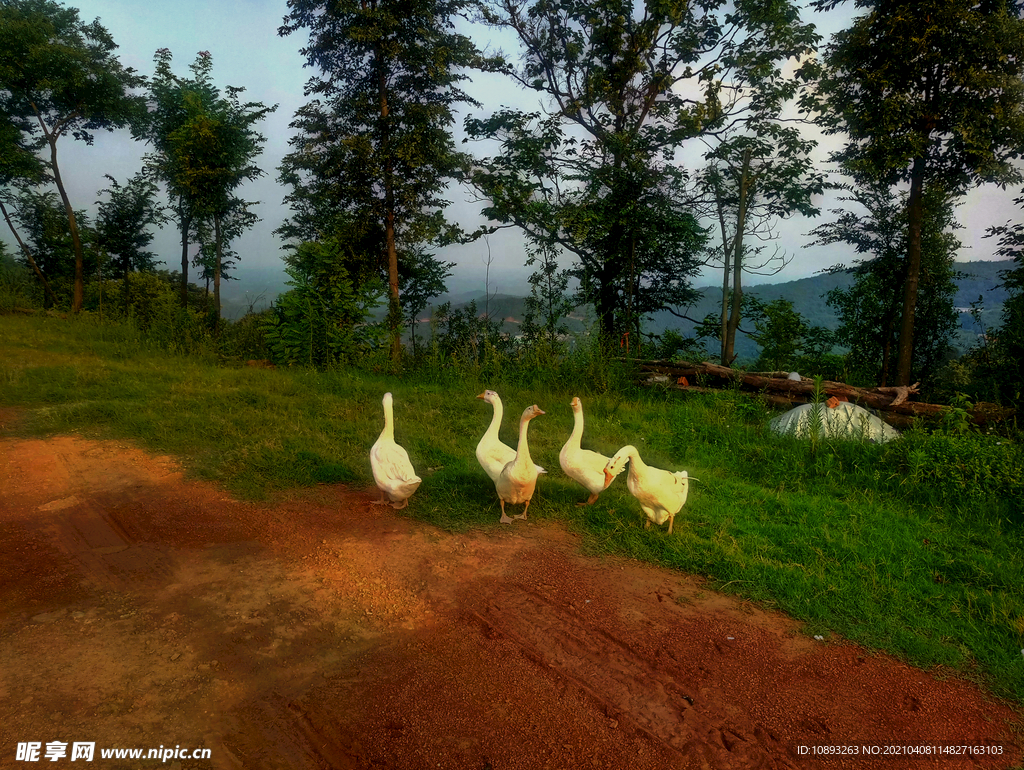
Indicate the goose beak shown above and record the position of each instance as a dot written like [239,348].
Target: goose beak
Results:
[481,395]
[539,410]
[608,478]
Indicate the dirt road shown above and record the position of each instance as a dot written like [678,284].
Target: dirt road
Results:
[142,610]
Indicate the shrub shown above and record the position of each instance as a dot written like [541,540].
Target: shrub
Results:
[956,467]
[17,286]
[321,322]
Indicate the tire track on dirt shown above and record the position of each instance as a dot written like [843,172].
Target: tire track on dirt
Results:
[626,686]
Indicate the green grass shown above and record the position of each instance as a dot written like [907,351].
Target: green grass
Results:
[916,547]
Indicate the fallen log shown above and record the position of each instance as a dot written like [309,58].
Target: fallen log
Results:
[891,402]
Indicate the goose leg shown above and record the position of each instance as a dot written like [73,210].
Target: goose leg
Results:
[401,505]
[504,517]
[523,514]
[590,500]
[383,499]
[671,520]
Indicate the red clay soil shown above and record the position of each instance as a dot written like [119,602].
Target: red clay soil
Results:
[141,610]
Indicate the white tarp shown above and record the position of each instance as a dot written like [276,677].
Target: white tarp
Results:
[846,420]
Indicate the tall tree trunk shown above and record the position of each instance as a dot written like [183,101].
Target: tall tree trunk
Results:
[737,290]
[915,217]
[612,270]
[726,257]
[606,302]
[634,318]
[886,357]
[186,221]
[394,306]
[76,238]
[28,256]
[216,273]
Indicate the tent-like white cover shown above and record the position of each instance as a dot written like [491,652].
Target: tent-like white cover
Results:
[846,420]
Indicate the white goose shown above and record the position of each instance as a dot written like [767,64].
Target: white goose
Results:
[492,454]
[661,494]
[582,465]
[518,479]
[392,470]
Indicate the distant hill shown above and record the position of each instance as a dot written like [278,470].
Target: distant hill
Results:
[806,294]
[260,286]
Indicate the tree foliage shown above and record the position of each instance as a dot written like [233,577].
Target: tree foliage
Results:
[421,279]
[1000,356]
[124,222]
[213,152]
[870,311]
[43,224]
[549,303]
[205,144]
[931,94]
[787,341]
[320,322]
[756,177]
[373,150]
[60,76]
[166,114]
[626,85]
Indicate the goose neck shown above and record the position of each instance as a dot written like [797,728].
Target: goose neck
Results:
[577,427]
[389,421]
[524,446]
[496,417]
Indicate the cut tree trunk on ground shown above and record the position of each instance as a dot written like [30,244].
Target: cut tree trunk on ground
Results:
[891,402]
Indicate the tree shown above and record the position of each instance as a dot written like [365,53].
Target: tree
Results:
[46,237]
[930,93]
[787,341]
[1004,348]
[548,303]
[166,114]
[423,278]
[756,177]
[626,85]
[373,151]
[63,75]
[212,154]
[123,225]
[238,218]
[870,311]
[20,167]
[320,321]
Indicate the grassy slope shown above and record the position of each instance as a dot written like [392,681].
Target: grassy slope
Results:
[832,536]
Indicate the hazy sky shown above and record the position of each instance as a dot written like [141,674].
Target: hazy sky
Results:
[247,51]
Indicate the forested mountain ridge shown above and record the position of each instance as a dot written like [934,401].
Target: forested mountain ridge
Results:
[808,295]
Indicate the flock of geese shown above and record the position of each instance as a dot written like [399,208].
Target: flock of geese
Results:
[661,493]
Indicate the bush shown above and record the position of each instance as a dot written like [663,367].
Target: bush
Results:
[957,467]
[465,343]
[245,338]
[17,287]
[321,322]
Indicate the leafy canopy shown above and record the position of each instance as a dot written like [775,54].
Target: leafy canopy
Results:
[626,85]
